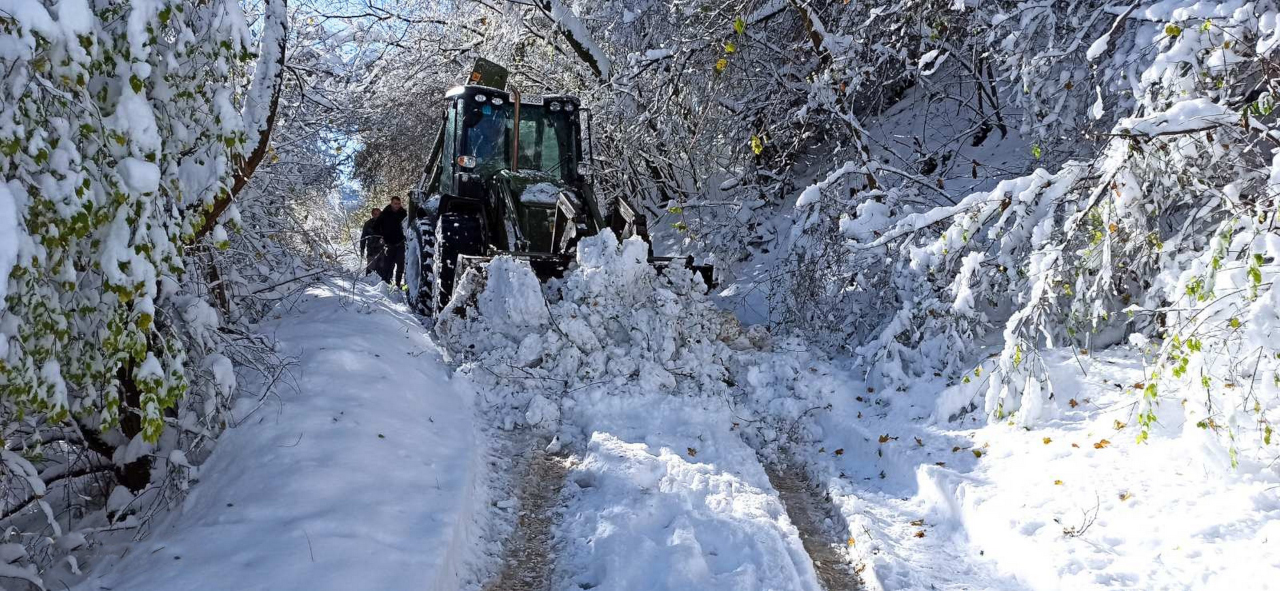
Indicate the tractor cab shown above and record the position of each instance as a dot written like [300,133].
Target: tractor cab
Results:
[507,175]
[519,162]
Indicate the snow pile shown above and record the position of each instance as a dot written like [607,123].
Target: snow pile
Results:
[611,320]
[615,322]
[540,194]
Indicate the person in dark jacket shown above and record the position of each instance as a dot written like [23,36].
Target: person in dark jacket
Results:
[390,228]
[371,243]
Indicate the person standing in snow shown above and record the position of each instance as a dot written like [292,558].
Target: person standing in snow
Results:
[371,243]
[391,229]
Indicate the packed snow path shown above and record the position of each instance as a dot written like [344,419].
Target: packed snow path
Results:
[361,477]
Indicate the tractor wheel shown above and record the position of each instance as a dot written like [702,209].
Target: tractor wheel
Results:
[456,234]
[419,265]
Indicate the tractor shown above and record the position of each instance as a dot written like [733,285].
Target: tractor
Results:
[507,176]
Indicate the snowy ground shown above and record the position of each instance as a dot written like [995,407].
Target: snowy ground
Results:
[668,496]
[1076,504]
[363,477]
[378,473]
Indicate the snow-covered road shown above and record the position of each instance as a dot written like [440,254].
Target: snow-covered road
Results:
[362,477]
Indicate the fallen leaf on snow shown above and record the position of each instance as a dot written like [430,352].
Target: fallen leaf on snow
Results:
[693,452]
[1073,403]
[918,522]
[1047,441]
[920,534]
[1101,444]
[840,451]
[1057,482]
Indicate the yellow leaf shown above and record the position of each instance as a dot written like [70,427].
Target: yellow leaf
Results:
[1057,483]
[1124,496]
[1118,425]
[757,144]
[730,47]
[850,542]
[1101,444]
[721,64]
[1047,441]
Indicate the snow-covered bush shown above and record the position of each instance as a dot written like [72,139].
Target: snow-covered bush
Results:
[1168,231]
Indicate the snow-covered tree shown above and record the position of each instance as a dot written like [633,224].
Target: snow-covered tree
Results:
[127,129]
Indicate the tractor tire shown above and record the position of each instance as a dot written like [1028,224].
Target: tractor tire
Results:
[419,257]
[456,234]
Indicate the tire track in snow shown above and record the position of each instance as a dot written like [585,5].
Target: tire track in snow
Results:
[528,555]
[815,519]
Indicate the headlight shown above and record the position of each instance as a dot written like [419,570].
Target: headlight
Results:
[584,169]
[480,98]
[555,107]
[568,107]
[497,100]
[467,161]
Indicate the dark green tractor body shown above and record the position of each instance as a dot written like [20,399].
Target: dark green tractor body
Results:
[506,176]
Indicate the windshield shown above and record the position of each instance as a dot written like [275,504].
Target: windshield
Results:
[546,139]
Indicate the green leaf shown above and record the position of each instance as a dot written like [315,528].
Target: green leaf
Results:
[1035,151]
[730,47]
[740,26]
[1235,322]
[1172,30]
